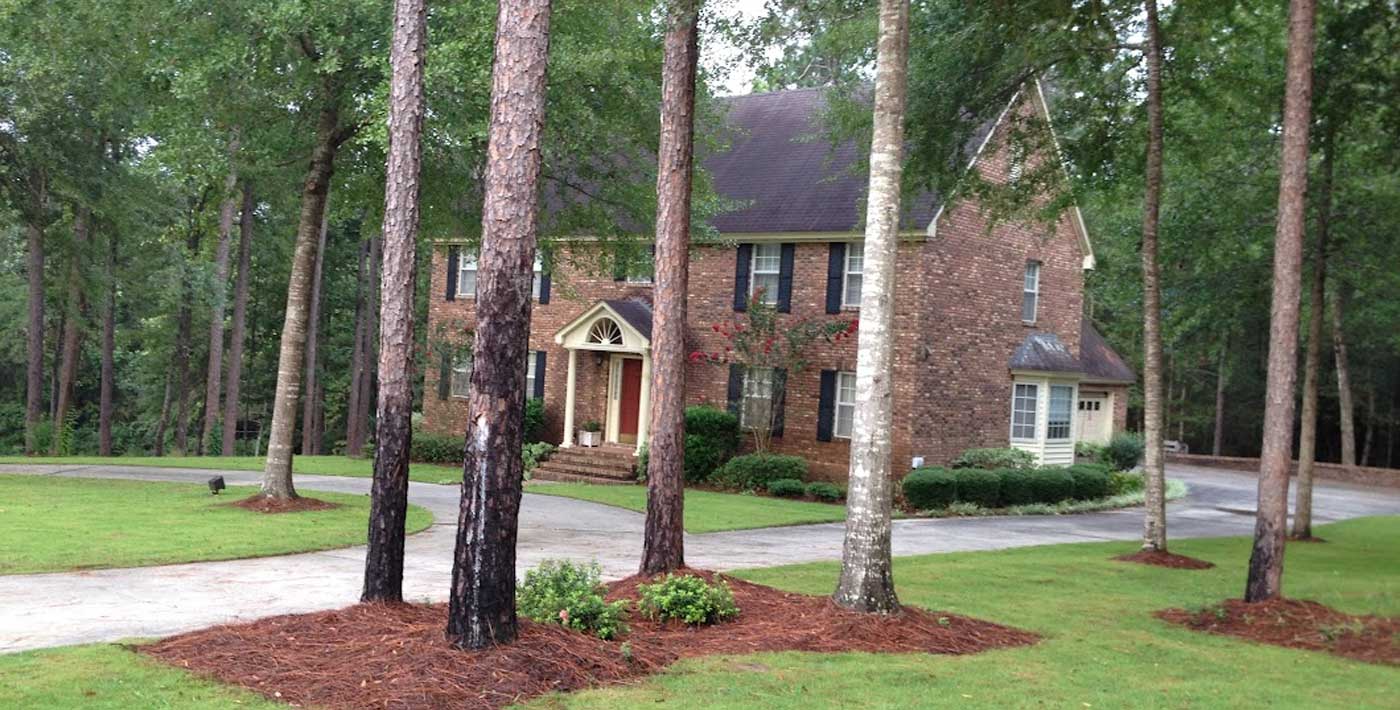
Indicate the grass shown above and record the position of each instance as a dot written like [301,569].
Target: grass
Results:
[308,465]
[706,511]
[1102,647]
[50,524]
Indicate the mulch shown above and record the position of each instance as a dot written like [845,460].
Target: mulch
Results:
[264,504]
[395,655]
[1159,558]
[1296,623]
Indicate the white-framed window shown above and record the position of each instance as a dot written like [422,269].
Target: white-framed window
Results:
[466,275]
[757,407]
[462,376]
[539,270]
[1030,291]
[1057,420]
[845,404]
[853,275]
[532,361]
[1023,410]
[764,269]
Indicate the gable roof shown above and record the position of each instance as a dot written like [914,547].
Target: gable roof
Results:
[1100,361]
[636,312]
[1097,361]
[1043,352]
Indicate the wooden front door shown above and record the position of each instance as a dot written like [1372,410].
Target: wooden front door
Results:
[629,401]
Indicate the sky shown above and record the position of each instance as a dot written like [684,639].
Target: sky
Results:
[720,57]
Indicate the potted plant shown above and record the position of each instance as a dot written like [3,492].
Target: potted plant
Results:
[590,434]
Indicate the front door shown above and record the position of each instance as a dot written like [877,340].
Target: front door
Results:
[1095,417]
[629,400]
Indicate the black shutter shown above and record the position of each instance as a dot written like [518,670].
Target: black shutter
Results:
[835,278]
[785,278]
[544,287]
[736,388]
[779,399]
[741,276]
[453,253]
[445,377]
[539,371]
[826,406]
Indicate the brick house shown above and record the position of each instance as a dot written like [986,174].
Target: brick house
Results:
[992,346]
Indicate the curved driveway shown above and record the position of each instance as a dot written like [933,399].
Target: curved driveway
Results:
[41,610]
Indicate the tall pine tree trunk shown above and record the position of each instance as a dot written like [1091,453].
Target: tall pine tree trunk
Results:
[388,506]
[215,370]
[1345,403]
[109,346]
[359,352]
[1271,522]
[1312,362]
[184,332]
[481,609]
[34,337]
[1370,426]
[867,582]
[1154,530]
[238,327]
[1220,377]
[72,328]
[663,547]
[313,399]
[364,395]
[158,449]
[277,471]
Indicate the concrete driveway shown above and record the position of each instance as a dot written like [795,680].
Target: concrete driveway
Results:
[42,610]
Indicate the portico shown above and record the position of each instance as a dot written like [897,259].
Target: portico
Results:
[616,333]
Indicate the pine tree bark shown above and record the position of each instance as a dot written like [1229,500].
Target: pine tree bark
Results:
[109,347]
[481,608]
[215,370]
[237,328]
[1154,530]
[183,336]
[1312,361]
[1265,579]
[663,547]
[867,580]
[34,338]
[1370,426]
[1345,402]
[393,438]
[1220,378]
[313,401]
[369,355]
[277,471]
[72,328]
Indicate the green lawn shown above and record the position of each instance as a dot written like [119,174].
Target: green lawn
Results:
[309,465]
[1102,648]
[706,511]
[49,523]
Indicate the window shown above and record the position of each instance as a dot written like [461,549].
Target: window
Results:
[1018,164]
[1030,291]
[466,275]
[1023,406]
[757,406]
[1061,404]
[845,404]
[462,376]
[605,331]
[763,275]
[531,361]
[640,270]
[854,275]
[539,269]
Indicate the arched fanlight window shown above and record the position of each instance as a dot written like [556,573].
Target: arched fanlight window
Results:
[605,332]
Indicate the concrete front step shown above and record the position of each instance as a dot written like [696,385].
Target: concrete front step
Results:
[545,474]
[600,470]
[608,454]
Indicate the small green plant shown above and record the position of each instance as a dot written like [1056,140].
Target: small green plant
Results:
[640,467]
[534,454]
[930,488]
[1124,451]
[534,420]
[786,488]
[754,472]
[689,599]
[821,490]
[1123,483]
[994,459]
[571,595]
[592,425]
[1088,451]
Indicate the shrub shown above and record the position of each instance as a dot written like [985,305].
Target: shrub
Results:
[978,486]
[821,490]
[436,448]
[1124,451]
[1051,484]
[754,472]
[534,420]
[643,457]
[1090,480]
[1016,486]
[711,438]
[560,592]
[534,454]
[1121,482]
[702,458]
[689,599]
[1089,451]
[930,488]
[786,488]
[994,459]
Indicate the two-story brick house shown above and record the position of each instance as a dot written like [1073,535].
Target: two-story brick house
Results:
[991,344]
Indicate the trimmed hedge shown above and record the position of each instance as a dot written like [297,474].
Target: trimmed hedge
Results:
[1051,485]
[929,488]
[754,472]
[935,488]
[992,459]
[436,448]
[1017,486]
[711,438]
[786,488]
[1091,481]
[979,486]
[821,490]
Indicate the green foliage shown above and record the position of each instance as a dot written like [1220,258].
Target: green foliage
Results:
[534,420]
[689,599]
[786,488]
[979,486]
[711,438]
[825,491]
[1089,451]
[643,457]
[753,472]
[561,592]
[591,425]
[534,454]
[1124,482]
[1005,457]
[1051,484]
[427,447]
[1017,487]
[1090,481]
[928,488]
[1124,450]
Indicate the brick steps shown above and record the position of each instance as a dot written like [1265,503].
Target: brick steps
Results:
[603,465]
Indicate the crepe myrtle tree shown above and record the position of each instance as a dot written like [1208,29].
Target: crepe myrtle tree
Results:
[761,339]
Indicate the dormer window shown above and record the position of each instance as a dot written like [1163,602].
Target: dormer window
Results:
[1030,292]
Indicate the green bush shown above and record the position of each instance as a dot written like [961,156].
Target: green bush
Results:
[1124,451]
[979,486]
[640,467]
[821,490]
[534,420]
[1122,482]
[702,457]
[930,488]
[1051,484]
[534,454]
[753,472]
[786,488]
[436,448]
[1016,486]
[560,592]
[1089,451]
[1090,480]
[687,598]
[711,438]
[991,459]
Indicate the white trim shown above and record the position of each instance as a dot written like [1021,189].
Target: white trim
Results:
[574,334]
[769,297]
[837,404]
[1032,292]
[846,273]
[1078,217]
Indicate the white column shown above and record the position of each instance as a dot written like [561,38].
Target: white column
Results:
[569,400]
[644,415]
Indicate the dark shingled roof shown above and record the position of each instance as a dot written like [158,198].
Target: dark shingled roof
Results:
[1100,362]
[637,313]
[1097,361]
[1043,352]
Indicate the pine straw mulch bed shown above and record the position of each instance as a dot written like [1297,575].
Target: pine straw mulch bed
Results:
[264,504]
[1160,558]
[395,655]
[1296,623]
